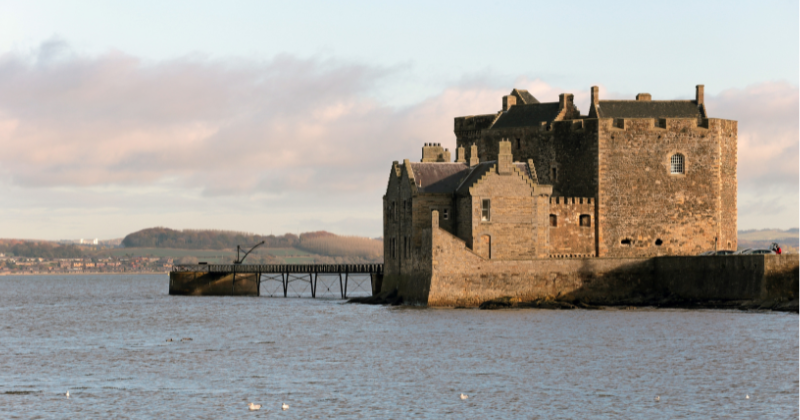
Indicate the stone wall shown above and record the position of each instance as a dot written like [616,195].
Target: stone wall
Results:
[569,238]
[460,277]
[643,209]
[517,214]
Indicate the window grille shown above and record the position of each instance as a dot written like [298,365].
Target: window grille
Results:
[676,164]
[486,211]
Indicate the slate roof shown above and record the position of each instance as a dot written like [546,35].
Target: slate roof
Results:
[526,97]
[648,109]
[527,115]
[438,177]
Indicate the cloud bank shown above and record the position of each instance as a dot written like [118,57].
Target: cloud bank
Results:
[266,130]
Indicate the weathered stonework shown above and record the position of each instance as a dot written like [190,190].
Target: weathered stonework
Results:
[537,182]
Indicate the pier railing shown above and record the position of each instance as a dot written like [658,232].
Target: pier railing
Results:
[288,273]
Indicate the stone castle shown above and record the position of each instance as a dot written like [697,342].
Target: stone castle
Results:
[539,181]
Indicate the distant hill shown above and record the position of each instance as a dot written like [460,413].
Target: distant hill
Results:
[323,247]
[38,249]
[789,239]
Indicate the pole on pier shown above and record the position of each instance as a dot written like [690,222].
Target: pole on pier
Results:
[285,281]
[346,276]
[341,288]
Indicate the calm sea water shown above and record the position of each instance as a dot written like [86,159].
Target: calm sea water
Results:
[103,338]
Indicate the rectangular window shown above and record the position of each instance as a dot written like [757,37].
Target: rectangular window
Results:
[446,214]
[586,220]
[555,175]
[486,210]
[553,220]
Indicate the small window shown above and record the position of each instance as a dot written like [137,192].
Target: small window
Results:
[519,144]
[486,210]
[585,220]
[626,242]
[676,163]
[659,242]
[555,174]
[553,220]
[446,214]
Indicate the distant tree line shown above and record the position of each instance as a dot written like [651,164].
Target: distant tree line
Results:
[32,249]
[329,247]
[202,239]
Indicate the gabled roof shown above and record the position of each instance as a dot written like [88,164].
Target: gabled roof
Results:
[478,171]
[648,109]
[524,96]
[527,115]
[438,177]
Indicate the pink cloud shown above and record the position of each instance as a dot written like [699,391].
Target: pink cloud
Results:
[249,127]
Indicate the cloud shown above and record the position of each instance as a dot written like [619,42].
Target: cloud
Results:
[768,132]
[273,130]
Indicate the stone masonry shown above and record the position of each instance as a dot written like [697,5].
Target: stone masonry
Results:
[631,179]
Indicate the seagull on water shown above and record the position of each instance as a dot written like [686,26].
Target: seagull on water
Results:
[67,394]
[658,398]
[464,396]
[284,406]
[254,407]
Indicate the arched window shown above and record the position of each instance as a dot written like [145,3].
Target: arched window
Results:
[676,164]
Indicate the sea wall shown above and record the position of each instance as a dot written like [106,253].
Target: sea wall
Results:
[213,284]
[459,277]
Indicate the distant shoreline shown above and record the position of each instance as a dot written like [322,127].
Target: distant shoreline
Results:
[85,274]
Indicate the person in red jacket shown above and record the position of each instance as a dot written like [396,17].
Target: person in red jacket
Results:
[776,248]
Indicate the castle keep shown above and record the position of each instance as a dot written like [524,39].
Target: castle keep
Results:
[539,181]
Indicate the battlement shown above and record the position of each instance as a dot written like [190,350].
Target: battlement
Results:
[571,201]
[474,122]
[668,124]
[433,152]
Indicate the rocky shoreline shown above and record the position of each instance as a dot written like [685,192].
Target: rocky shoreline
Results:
[508,302]
[779,305]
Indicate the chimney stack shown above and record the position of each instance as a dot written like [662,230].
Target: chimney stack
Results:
[644,97]
[595,95]
[699,94]
[460,155]
[509,101]
[504,158]
[473,155]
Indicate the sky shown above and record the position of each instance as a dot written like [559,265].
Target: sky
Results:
[276,117]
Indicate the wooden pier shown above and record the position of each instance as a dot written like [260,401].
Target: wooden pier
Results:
[246,279]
